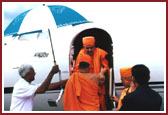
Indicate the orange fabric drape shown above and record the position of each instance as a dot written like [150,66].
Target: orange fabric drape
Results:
[98,60]
[81,94]
[123,94]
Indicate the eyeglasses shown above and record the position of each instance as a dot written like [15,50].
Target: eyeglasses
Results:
[91,47]
[126,78]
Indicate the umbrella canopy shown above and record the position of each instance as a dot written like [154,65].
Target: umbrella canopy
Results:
[43,17]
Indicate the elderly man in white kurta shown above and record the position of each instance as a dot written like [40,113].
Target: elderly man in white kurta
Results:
[24,90]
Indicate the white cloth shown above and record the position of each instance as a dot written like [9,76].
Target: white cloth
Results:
[23,96]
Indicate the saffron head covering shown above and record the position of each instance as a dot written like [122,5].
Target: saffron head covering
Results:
[85,58]
[88,40]
[126,72]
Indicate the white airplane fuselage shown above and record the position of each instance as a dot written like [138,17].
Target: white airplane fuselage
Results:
[36,50]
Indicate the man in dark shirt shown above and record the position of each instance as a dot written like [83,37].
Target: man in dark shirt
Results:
[143,98]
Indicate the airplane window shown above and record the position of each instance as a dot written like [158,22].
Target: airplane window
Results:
[28,37]
[34,36]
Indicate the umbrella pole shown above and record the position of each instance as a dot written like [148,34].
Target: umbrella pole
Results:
[52,47]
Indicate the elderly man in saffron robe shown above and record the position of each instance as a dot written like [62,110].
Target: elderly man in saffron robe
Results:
[98,60]
[81,90]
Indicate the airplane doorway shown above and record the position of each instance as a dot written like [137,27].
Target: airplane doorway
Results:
[103,41]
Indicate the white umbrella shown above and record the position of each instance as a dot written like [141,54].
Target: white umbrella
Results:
[44,18]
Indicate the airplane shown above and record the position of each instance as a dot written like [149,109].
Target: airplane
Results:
[127,47]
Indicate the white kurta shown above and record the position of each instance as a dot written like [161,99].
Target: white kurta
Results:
[23,96]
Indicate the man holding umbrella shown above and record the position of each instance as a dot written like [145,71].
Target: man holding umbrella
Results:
[24,90]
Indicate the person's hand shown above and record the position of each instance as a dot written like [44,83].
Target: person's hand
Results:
[115,109]
[55,69]
[133,86]
[103,70]
[114,98]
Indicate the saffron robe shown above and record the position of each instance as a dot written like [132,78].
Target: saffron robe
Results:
[123,94]
[98,60]
[81,94]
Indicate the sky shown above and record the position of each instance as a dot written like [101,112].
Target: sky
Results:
[138,30]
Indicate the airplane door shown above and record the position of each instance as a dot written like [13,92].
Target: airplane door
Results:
[103,41]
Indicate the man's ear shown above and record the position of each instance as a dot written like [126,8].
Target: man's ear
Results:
[88,69]
[133,78]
